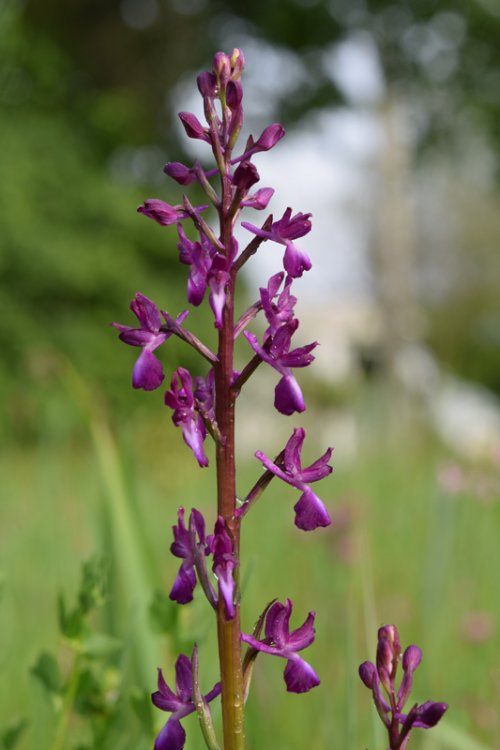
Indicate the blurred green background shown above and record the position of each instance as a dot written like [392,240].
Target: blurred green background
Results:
[406,387]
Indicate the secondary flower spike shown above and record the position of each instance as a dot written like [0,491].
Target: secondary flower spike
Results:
[390,707]
[299,676]
[310,512]
[179,704]
[148,371]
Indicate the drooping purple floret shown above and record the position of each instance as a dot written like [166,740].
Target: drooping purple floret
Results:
[184,546]
[299,676]
[383,674]
[179,704]
[224,564]
[288,228]
[148,370]
[180,398]
[259,199]
[310,512]
[276,352]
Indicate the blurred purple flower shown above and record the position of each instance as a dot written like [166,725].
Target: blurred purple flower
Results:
[285,230]
[398,725]
[299,675]
[276,352]
[199,256]
[180,398]
[193,127]
[179,704]
[310,512]
[148,371]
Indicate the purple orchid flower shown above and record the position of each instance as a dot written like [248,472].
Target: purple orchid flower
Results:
[310,512]
[179,704]
[285,230]
[185,546]
[180,398]
[281,311]
[299,676]
[163,213]
[276,352]
[199,256]
[224,564]
[148,371]
[398,724]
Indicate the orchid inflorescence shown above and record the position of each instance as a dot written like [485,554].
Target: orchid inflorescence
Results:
[204,406]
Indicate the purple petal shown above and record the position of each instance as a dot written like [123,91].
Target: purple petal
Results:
[171,737]
[259,200]
[245,176]
[134,336]
[295,261]
[256,230]
[179,172]
[310,513]
[368,674]
[193,127]
[299,676]
[269,137]
[303,637]
[411,658]
[194,433]
[429,714]
[146,312]
[184,678]
[319,469]
[164,698]
[293,450]
[299,357]
[288,397]
[184,585]
[147,372]
[277,623]
[277,471]
[161,212]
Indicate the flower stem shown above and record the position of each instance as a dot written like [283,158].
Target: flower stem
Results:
[228,631]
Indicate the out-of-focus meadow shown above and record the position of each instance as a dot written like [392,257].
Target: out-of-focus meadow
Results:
[406,386]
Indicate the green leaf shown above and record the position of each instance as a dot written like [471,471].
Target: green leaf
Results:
[46,670]
[71,623]
[93,584]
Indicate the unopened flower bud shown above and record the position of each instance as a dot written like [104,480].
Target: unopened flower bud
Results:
[179,172]
[207,84]
[245,176]
[221,67]
[193,127]
[237,64]
[368,674]
[411,658]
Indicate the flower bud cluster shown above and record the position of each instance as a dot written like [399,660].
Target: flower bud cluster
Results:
[391,705]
